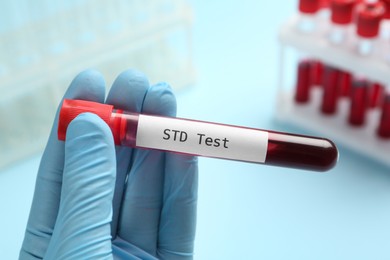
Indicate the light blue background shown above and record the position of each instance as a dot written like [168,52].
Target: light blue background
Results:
[248,211]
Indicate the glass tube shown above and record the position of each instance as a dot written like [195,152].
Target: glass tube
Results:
[205,138]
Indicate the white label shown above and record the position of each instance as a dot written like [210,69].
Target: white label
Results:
[201,138]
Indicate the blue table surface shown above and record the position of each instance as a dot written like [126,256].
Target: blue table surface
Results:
[248,211]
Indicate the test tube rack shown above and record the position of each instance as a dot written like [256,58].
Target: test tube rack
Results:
[45,45]
[308,116]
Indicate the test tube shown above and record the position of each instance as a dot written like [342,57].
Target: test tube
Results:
[307,19]
[308,69]
[358,106]
[317,69]
[302,93]
[375,94]
[344,83]
[323,15]
[341,18]
[385,24]
[385,31]
[384,123]
[205,138]
[330,90]
[368,18]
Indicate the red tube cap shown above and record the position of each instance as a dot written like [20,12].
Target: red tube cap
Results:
[387,7]
[369,16]
[324,3]
[342,11]
[72,108]
[309,6]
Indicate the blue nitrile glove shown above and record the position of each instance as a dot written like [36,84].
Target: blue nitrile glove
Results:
[93,200]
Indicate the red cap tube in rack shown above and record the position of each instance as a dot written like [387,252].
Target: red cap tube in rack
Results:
[341,17]
[341,11]
[384,123]
[331,92]
[205,138]
[317,69]
[368,18]
[358,108]
[302,89]
[375,95]
[344,83]
[307,22]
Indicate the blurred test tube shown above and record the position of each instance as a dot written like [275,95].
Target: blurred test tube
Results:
[368,18]
[358,108]
[330,90]
[341,20]
[309,70]
[307,15]
[302,89]
[384,123]
[385,31]
[344,83]
[385,24]
[375,95]
[317,69]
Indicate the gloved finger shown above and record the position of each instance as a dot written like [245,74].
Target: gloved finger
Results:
[178,215]
[88,85]
[82,229]
[122,249]
[127,92]
[140,214]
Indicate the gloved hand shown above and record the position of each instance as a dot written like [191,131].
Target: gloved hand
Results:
[93,200]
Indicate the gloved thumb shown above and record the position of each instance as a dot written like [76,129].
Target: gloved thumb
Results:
[82,229]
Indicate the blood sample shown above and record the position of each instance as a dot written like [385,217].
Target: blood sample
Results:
[330,92]
[375,95]
[341,17]
[368,18]
[317,69]
[344,83]
[302,93]
[358,106]
[308,69]
[206,139]
[384,123]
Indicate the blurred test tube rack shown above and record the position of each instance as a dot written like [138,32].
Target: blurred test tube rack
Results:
[338,52]
[45,44]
